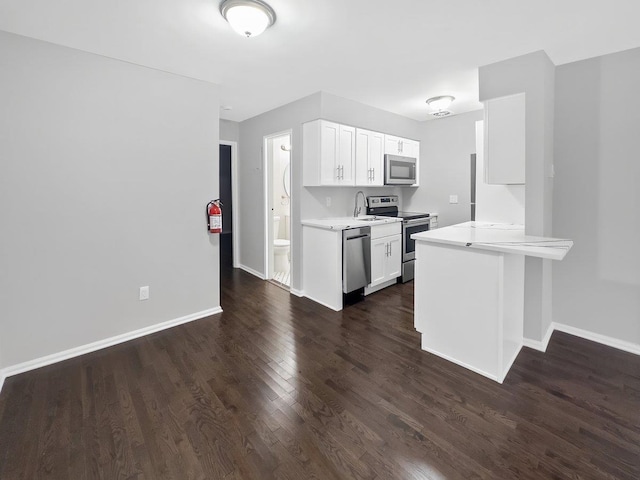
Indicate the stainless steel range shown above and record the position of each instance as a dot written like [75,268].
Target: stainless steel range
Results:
[412,222]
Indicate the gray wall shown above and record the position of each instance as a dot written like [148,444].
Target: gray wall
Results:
[445,148]
[532,74]
[596,198]
[106,169]
[251,179]
[229,131]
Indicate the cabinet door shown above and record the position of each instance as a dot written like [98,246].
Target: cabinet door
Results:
[393,265]
[369,157]
[329,153]
[504,140]
[346,155]
[379,254]
[391,145]
[362,157]
[376,158]
[410,148]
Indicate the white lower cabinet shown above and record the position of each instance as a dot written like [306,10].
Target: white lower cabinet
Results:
[386,253]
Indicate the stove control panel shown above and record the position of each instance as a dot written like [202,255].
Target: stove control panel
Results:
[382,201]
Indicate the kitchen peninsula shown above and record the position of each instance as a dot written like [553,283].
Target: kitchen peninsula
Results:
[469,292]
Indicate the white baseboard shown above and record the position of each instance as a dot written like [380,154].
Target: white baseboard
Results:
[252,271]
[540,345]
[297,293]
[323,304]
[462,364]
[596,337]
[100,344]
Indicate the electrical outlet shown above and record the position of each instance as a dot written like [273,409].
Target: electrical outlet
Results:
[453,198]
[144,293]
[328,201]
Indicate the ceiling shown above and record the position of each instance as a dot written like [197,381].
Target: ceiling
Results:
[391,54]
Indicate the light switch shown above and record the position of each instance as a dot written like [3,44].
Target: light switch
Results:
[453,198]
[328,201]
[144,293]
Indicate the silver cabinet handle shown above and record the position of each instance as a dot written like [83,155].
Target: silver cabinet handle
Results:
[338,172]
[389,248]
[373,174]
[386,249]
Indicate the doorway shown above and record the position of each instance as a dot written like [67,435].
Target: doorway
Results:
[228,196]
[277,148]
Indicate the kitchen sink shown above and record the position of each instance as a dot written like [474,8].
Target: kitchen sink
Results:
[370,219]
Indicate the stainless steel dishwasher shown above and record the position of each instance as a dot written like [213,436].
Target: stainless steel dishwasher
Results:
[356,258]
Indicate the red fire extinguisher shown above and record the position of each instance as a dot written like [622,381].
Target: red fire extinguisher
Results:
[214,216]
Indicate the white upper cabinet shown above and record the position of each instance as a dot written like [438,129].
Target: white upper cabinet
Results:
[328,153]
[369,158]
[339,155]
[504,140]
[401,146]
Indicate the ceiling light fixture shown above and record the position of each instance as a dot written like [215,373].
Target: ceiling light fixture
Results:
[440,105]
[248,17]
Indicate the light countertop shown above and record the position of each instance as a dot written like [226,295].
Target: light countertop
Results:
[343,223]
[499,237]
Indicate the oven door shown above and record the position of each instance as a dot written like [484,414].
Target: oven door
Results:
[409,227]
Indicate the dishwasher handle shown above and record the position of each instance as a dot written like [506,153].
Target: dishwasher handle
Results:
[358,236]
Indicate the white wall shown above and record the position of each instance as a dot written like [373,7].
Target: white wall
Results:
[106,170]
[597,195]
[446,145]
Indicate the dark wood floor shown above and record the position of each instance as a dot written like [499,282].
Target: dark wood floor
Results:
[279,387]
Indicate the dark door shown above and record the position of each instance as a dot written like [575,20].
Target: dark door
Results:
[226,237]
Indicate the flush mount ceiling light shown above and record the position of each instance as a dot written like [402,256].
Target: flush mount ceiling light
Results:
[440,105]
[248,17]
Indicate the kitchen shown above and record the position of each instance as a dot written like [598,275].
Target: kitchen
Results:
[71,284]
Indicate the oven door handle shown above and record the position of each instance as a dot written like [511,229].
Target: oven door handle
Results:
[424,220]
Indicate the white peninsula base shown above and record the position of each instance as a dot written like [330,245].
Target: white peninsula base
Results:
[471,312]
[469,292]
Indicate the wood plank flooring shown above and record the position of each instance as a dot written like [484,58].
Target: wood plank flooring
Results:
[278,387]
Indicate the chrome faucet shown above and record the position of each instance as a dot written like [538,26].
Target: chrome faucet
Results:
[356,209]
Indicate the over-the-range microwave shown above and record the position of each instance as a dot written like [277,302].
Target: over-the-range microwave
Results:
[399,170]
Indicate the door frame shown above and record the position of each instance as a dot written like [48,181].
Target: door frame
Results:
[235,232]
[268,200]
